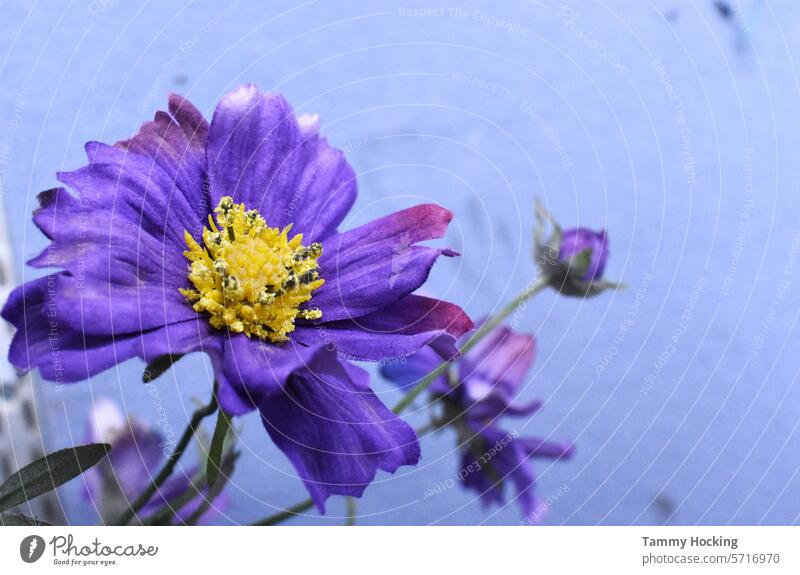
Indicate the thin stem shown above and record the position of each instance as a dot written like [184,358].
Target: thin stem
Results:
[288,514]
[352,507]
[169,466]
[487,326]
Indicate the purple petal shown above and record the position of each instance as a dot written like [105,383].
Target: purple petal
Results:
[260,154]
[501,358]
[516,466]
[535,447]
[96,308]
[407,372]
[135,458]
[116,285]
[496,459]
[250,369]
[395,331]
[138,189]
[62,353]
[476,477]
[374,265]
[176,142]
[521,474]
[504,457]
[92,242]
[335,431]
[493,372]
[494,406]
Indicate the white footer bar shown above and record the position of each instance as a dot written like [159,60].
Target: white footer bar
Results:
[401,550]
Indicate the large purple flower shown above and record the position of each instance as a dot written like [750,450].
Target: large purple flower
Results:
[223,238]
[137,452]
[483,389]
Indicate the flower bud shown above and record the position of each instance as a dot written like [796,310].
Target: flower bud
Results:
[585,252]
[573,261]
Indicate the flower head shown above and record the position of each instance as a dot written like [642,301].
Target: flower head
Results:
[591,246]
[224,238]
[571,261]
[250,278]
[138,452]
[481,391]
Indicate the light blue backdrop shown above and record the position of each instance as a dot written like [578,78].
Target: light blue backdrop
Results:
[668,123]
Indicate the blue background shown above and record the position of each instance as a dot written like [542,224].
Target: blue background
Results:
[671,125]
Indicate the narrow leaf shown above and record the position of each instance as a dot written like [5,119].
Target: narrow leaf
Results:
[158,366]
[47,473]
[215,451]
[17,520]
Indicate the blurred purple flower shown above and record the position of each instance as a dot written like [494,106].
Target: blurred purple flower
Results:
[272,310]
[136,456]
[578,240]
[485,388]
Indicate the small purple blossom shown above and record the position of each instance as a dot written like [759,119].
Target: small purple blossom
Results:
[136,456]
[222,237]
[485,389]
[578,240]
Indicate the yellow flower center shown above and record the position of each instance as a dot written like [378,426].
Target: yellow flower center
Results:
[251,278]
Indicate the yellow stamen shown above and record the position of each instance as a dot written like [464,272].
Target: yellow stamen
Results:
[251,278]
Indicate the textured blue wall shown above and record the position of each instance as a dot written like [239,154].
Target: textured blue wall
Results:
[668,123]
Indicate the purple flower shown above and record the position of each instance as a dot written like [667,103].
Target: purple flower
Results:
[583,240]
[136,456]
[222,237]
[485,388]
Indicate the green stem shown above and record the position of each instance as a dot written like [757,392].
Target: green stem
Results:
[351,511]
[169,466]
[487,326]
[288,514]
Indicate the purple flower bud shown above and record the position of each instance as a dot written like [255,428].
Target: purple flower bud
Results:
[576,241]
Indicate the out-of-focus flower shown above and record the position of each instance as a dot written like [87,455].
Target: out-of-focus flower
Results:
[478,393]
[250,203]
[590,246]
[572,261]
[137,454]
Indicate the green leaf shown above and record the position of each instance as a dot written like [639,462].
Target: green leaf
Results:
[17,520]
[47,473]
[159,366]
[215,451]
